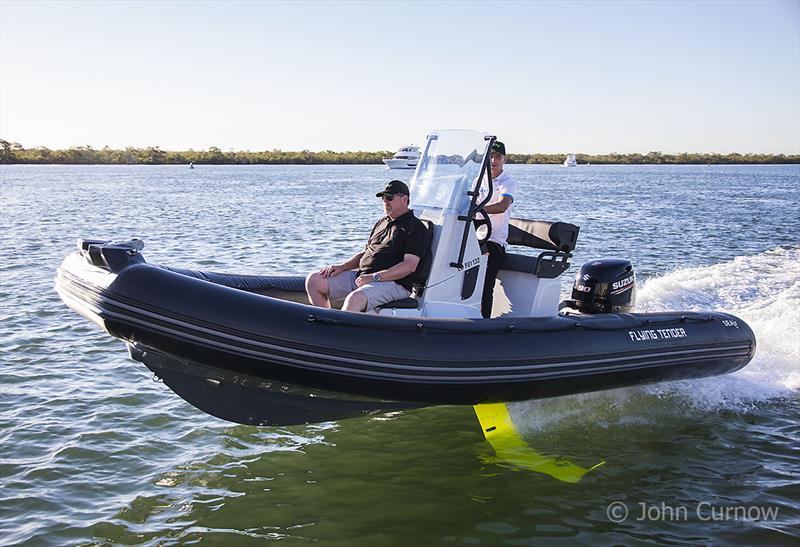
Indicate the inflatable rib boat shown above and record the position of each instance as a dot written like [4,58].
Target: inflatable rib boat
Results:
[249,349]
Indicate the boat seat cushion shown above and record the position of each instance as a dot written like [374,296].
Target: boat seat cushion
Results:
[538,234]
[519,263]
[402,304]
[424,267]
[548,265]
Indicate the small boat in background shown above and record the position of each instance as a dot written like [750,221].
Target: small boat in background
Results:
[570,161]
[405,158]
[191,165]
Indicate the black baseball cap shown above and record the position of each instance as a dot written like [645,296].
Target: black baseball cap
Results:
[499,147]
[394,187]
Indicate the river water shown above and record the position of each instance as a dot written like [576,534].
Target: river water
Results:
[94,452]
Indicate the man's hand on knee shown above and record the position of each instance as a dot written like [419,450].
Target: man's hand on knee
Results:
[330,271]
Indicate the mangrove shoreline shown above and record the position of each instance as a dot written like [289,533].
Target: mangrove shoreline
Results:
[14,153]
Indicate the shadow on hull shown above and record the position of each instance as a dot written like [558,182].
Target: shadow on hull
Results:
[253,401]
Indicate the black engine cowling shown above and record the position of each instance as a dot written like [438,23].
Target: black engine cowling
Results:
[606,285]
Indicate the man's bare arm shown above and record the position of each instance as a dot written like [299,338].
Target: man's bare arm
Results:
[398,271]
[351,264]
[499,206]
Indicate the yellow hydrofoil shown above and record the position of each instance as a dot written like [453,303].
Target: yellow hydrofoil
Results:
[511,449]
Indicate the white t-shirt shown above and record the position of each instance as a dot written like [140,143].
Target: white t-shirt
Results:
[504,185]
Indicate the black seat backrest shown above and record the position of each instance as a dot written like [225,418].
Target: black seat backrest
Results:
[424,267]
[538,234]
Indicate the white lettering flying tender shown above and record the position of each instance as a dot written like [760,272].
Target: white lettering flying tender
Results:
[656,334]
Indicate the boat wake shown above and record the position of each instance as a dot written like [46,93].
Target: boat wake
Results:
[763,289]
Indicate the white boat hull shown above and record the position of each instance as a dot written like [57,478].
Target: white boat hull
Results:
[400,164]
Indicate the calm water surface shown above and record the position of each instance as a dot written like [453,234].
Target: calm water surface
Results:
[94,452]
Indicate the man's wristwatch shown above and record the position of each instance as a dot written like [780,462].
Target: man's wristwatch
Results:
[376,277]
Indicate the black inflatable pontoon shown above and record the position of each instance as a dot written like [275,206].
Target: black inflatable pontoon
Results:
[243,349]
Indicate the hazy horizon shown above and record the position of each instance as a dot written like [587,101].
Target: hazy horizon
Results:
[373,151]
[567,77]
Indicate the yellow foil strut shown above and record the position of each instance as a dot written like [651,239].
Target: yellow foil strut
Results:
[512,450]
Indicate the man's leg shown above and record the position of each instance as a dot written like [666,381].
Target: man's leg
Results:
[355,301]
[368,297]
[322,291]
[318,289]
[496,255]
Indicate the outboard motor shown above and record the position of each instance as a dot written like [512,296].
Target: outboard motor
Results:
[606,285]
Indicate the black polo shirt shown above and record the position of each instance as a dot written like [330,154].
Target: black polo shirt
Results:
[390,240]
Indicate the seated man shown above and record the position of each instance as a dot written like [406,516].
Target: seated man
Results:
[383,272]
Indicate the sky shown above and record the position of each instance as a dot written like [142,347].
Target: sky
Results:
[545,77]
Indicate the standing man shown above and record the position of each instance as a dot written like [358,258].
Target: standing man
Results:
[384,270]
[503,191]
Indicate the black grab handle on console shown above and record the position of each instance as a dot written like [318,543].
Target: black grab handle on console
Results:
[474,207]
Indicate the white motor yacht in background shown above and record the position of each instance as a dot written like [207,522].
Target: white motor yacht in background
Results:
[405,158]
[570,161]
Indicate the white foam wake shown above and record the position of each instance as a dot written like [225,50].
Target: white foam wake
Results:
[763,290]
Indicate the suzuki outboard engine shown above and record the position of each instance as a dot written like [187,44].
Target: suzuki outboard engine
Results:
[606,285]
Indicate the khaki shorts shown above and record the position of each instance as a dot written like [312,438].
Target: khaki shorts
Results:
[377,293]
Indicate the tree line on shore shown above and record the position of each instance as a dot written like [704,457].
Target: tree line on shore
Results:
[11,152]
